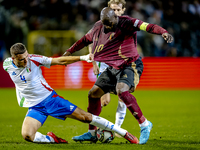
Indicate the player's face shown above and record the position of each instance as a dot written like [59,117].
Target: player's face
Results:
[117,9]
[21,60]
[110,25]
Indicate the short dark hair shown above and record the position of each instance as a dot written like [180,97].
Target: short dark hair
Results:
[106,14]
[17,48]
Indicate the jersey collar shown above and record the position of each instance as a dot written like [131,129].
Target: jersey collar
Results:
[14,65]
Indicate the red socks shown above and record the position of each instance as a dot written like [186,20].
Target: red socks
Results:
[95,109]
[132,105]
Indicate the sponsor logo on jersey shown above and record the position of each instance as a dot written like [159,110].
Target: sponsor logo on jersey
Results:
[111,36]
[71,107]
[125,76]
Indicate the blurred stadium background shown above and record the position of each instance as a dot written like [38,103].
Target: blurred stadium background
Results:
[49,27]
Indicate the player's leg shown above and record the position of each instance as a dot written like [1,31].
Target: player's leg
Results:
[94,107]
[30,133]
[102,86]
[120,113]
[100,122]
[133,107]
[105,99]
[29,128]
[35,118]
[123,87]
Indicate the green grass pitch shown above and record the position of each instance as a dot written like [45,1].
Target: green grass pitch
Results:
[175,116]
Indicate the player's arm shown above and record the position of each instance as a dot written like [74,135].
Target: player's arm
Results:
[155,29]
[64,60]
[95,66]
[84,41]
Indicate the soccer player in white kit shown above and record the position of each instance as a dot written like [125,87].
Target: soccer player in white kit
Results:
[34,92]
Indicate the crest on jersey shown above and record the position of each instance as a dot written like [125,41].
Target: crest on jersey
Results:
[112,36]
[13,73]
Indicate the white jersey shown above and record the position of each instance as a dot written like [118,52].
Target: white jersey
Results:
[31,87]
[102,66]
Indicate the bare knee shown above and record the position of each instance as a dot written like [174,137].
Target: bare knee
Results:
[95,92]
[104,102]
[105,99]
[28,136]
[121,87]
[29,128]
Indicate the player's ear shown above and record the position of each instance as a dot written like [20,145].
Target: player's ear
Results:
[123,10]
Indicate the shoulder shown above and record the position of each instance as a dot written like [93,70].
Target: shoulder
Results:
[36,57]
[7,63]
[127,20]
[98,24]
[33,56]
[40,60]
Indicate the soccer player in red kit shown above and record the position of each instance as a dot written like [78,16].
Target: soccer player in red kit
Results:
[114,41]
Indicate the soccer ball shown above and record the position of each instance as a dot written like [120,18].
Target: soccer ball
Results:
[105,136]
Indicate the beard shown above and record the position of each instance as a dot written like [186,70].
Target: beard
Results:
[110,30]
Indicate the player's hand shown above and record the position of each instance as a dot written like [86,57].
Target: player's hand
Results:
[86,58]
[95,68]
[92,56]
[167,37]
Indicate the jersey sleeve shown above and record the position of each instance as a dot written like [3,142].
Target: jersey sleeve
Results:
[7,63]
[144,26]
[130,24]
[40,60]
[84,41]
[148,27]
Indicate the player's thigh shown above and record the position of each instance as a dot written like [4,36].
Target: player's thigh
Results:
[107,81]
[128,79]
[81,115]
[30,126]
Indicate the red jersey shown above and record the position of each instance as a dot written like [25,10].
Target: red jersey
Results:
[117,48]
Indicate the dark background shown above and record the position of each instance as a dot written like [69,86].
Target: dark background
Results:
[180,18]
